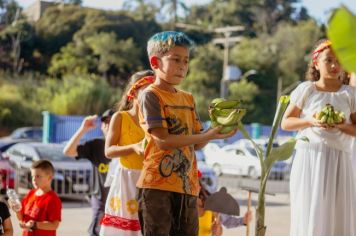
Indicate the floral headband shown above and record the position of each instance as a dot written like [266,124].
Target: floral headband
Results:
[139,84]
[319,49]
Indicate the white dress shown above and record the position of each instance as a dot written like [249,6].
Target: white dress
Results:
[121,208]
[322,188]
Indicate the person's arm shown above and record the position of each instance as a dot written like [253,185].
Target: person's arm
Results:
[216,228]
[166,141]
[7,225]
[112,150]
[71,147]
[19,214]
[291,120]
[44,225]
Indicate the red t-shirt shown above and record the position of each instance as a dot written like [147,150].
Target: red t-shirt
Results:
[46,207]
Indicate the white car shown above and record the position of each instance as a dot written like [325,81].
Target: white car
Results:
[234,160]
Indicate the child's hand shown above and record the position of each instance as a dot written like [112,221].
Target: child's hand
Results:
[317,123]
[213,133]
[138,149]
[27,225]
[216,228]
[89,122]
[247,217]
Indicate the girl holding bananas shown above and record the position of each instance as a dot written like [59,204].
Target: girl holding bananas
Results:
[323,195]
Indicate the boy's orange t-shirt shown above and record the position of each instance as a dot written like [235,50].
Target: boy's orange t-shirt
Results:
[46,207]
[170,170]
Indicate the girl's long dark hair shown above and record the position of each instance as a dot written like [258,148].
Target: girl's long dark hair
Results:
[124,104]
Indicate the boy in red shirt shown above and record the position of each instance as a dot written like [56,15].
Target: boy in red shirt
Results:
[41,207]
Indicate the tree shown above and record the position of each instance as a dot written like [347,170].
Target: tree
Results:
[75,2]
[203,80]
[172,8]
[100,54]
[141,9]
[281,55]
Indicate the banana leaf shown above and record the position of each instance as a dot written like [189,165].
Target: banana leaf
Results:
[342,33]
[282,106]
[283,152]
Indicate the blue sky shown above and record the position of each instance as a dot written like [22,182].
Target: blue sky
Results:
[319,9]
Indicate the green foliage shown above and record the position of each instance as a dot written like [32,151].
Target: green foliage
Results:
[204,77]
[342,33]
[79,96]
[245,91]
[267,159]
[100,54]
[22,100]
[57,27]
[282,54]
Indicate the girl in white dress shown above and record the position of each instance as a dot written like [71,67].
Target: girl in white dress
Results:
[123,142]
[323,196]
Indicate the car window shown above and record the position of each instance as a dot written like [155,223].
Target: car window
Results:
[35,134]
[252,151]
[17,134]
[52,153]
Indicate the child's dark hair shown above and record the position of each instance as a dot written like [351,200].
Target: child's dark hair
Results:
[44,165]
[161,42]
[125,104]
[312,74]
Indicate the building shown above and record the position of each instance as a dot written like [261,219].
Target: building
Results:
[35,11]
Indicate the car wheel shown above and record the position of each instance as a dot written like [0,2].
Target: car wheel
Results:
[252,172]
[217,169]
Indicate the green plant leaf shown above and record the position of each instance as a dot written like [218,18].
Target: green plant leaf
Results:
[257,148]
[282,106]
[342,33]
[284,151]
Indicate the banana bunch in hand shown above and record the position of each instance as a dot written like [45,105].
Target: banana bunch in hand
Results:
[329,116]
[226,113]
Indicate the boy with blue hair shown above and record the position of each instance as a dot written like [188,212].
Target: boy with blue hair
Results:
[168,184]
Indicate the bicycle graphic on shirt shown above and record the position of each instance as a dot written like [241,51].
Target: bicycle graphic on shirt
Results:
[177,162]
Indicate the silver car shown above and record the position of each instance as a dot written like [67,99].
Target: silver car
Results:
[72,177]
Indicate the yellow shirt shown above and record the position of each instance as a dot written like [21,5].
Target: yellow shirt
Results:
[205,223]
[130,133]
[170,170]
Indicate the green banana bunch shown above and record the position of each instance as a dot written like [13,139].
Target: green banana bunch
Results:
[328,115]
[226,113]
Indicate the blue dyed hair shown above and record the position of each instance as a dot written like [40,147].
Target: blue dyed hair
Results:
[160,43]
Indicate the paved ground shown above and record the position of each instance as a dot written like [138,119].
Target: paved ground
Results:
[77,214]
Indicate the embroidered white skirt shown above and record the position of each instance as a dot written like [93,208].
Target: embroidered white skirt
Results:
[121,207]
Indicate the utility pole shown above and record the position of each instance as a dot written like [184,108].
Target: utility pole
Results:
[226,41]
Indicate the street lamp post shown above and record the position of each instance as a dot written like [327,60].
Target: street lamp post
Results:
[232,74]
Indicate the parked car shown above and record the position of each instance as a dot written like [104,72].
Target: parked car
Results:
[232,160]
[24,134]
[280,169]
[71,177]
[7,175]
[209,178]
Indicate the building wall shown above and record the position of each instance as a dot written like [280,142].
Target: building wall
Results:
[35,11]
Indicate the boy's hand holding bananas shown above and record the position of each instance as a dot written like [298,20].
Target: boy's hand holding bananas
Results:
[225,113]
[329,116]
